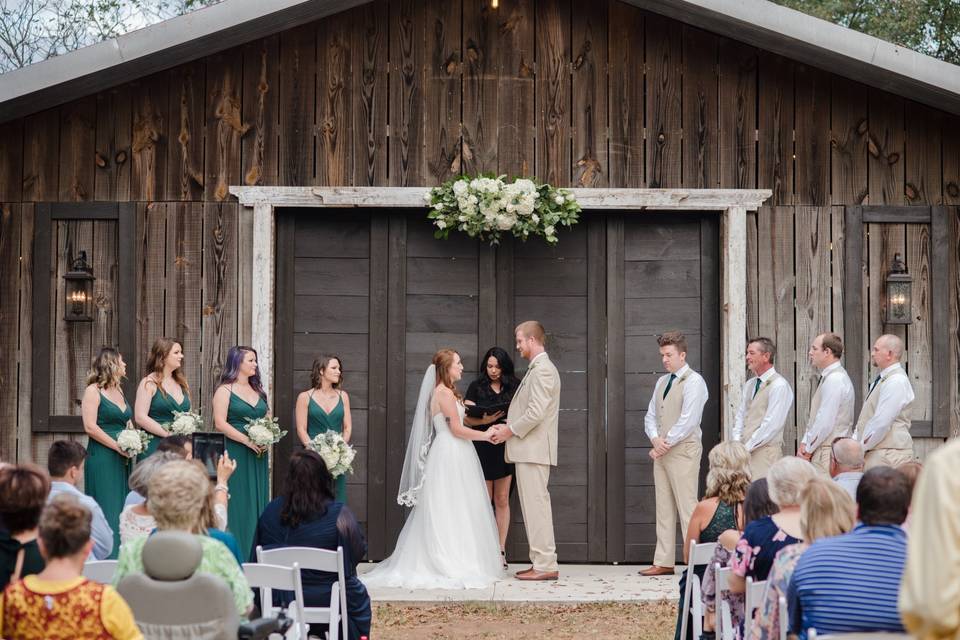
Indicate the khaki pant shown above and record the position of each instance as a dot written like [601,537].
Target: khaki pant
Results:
[537,511]
[675,477]
[887,458]
[821,459]
[762,458]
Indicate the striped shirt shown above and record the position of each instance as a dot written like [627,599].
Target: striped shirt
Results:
[849,583]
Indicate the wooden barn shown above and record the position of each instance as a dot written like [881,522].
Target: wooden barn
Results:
[254,173]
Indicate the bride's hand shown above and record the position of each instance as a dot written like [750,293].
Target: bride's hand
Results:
[490,435]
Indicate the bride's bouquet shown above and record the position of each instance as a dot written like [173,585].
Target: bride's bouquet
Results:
[133,441]
[336,453]
[264,432]
[185,423]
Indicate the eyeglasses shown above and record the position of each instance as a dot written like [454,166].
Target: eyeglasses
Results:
[833,454]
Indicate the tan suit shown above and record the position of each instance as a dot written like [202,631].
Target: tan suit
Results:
[533,417]
[675,474]
[763,457]
[841,427]
[896,448]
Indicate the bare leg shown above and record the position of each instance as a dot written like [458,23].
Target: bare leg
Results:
[501,503]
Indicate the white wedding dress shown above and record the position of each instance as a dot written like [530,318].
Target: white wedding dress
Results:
[450,539]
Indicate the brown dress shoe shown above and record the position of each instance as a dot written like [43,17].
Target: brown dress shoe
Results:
[523,572]
[538,575]
[657,571]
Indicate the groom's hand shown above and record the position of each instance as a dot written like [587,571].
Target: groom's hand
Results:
[504,433]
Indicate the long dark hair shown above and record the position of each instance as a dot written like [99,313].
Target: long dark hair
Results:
[231,369]
[319,366]
[308,489]
[507,376]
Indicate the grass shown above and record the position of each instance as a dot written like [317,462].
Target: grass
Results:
[492,621]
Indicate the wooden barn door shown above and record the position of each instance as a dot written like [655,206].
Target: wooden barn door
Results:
[376,288]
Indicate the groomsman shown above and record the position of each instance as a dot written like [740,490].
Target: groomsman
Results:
[673,425]
[767,398]
[831,409]
[884,424]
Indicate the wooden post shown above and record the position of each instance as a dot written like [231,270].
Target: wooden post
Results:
[733,330]
[262,298]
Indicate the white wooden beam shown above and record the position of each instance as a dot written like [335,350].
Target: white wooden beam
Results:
[733,303]
[264,264]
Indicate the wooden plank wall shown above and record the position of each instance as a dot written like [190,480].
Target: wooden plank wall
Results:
[397,92]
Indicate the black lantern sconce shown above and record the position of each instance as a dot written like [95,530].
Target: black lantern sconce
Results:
[78,289]
[899,293]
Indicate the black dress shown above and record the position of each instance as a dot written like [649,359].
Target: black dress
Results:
[491,455]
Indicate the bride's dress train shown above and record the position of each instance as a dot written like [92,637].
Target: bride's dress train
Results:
[450,539]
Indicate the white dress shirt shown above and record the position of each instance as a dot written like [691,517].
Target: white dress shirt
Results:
[778,406]
[836,392]
[895,393]
[695,395]
[100,530]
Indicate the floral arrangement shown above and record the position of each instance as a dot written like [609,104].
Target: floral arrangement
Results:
[336,453]
[185,423]
[264,432]
[133,441]
[485,207]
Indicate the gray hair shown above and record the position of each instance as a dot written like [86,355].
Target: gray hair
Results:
[894,344]
[848,453]
[140,477]
[787,479]
[766,346]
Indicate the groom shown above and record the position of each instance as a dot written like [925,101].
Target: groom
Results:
[531,437]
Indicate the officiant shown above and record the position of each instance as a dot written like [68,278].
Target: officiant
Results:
[487,400]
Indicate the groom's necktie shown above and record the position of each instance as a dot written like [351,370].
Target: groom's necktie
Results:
[673,377]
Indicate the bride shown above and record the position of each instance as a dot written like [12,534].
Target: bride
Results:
[450,539]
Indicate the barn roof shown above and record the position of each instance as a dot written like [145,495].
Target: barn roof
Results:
[232,22]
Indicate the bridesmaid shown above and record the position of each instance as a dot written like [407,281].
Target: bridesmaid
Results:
[325,407]
[105,414]
[161,392]
[240,395]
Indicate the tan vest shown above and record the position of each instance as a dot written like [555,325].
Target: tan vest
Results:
[898,437]
[669,408]
[844,422]
[758,409]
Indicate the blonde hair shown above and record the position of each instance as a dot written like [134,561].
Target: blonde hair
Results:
[787,479]
[532,329]
[826,509]
[105,369]
[729,474]
[178,491]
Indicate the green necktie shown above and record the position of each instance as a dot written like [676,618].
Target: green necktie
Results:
[873,385]
[669,384]
[756,388]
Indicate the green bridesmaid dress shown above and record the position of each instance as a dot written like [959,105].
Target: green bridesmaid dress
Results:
[319,421]
[106,472]
[162,406]
[249,484]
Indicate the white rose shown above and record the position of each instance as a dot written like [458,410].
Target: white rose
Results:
[428,196]
[438,206]
[548,230]
[558,199]
[441,224]
[569,197]
[460,187]
[535,218]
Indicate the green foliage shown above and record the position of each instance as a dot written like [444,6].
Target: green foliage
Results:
[928,26]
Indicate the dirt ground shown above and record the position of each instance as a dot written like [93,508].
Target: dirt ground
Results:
[489,621]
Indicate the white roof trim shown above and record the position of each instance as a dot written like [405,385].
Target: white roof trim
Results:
[761,23]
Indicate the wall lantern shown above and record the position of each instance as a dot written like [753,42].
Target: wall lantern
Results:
[78,289]
[899,293]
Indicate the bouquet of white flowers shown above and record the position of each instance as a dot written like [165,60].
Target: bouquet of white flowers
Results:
[486,206]
[264,432]
[336,453]
[185,423]
[133,441]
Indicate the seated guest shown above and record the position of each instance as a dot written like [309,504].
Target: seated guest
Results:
[849,583]
[23,492]
[764,538]
[825,510]
[213,518]
[307,515]
[178,492]
[929,598]
[722,505]
[65,464]
[756,505]
[135,519]
[59,602]
[846,464]
[911,471]
[180,446]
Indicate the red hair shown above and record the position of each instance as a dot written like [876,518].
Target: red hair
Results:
[442,360]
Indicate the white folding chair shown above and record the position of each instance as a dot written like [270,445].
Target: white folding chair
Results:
[101,571]
[724,614]
[266,578]
[699,555]
[753,601]
[318,560]
[858,635]
[784,612]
